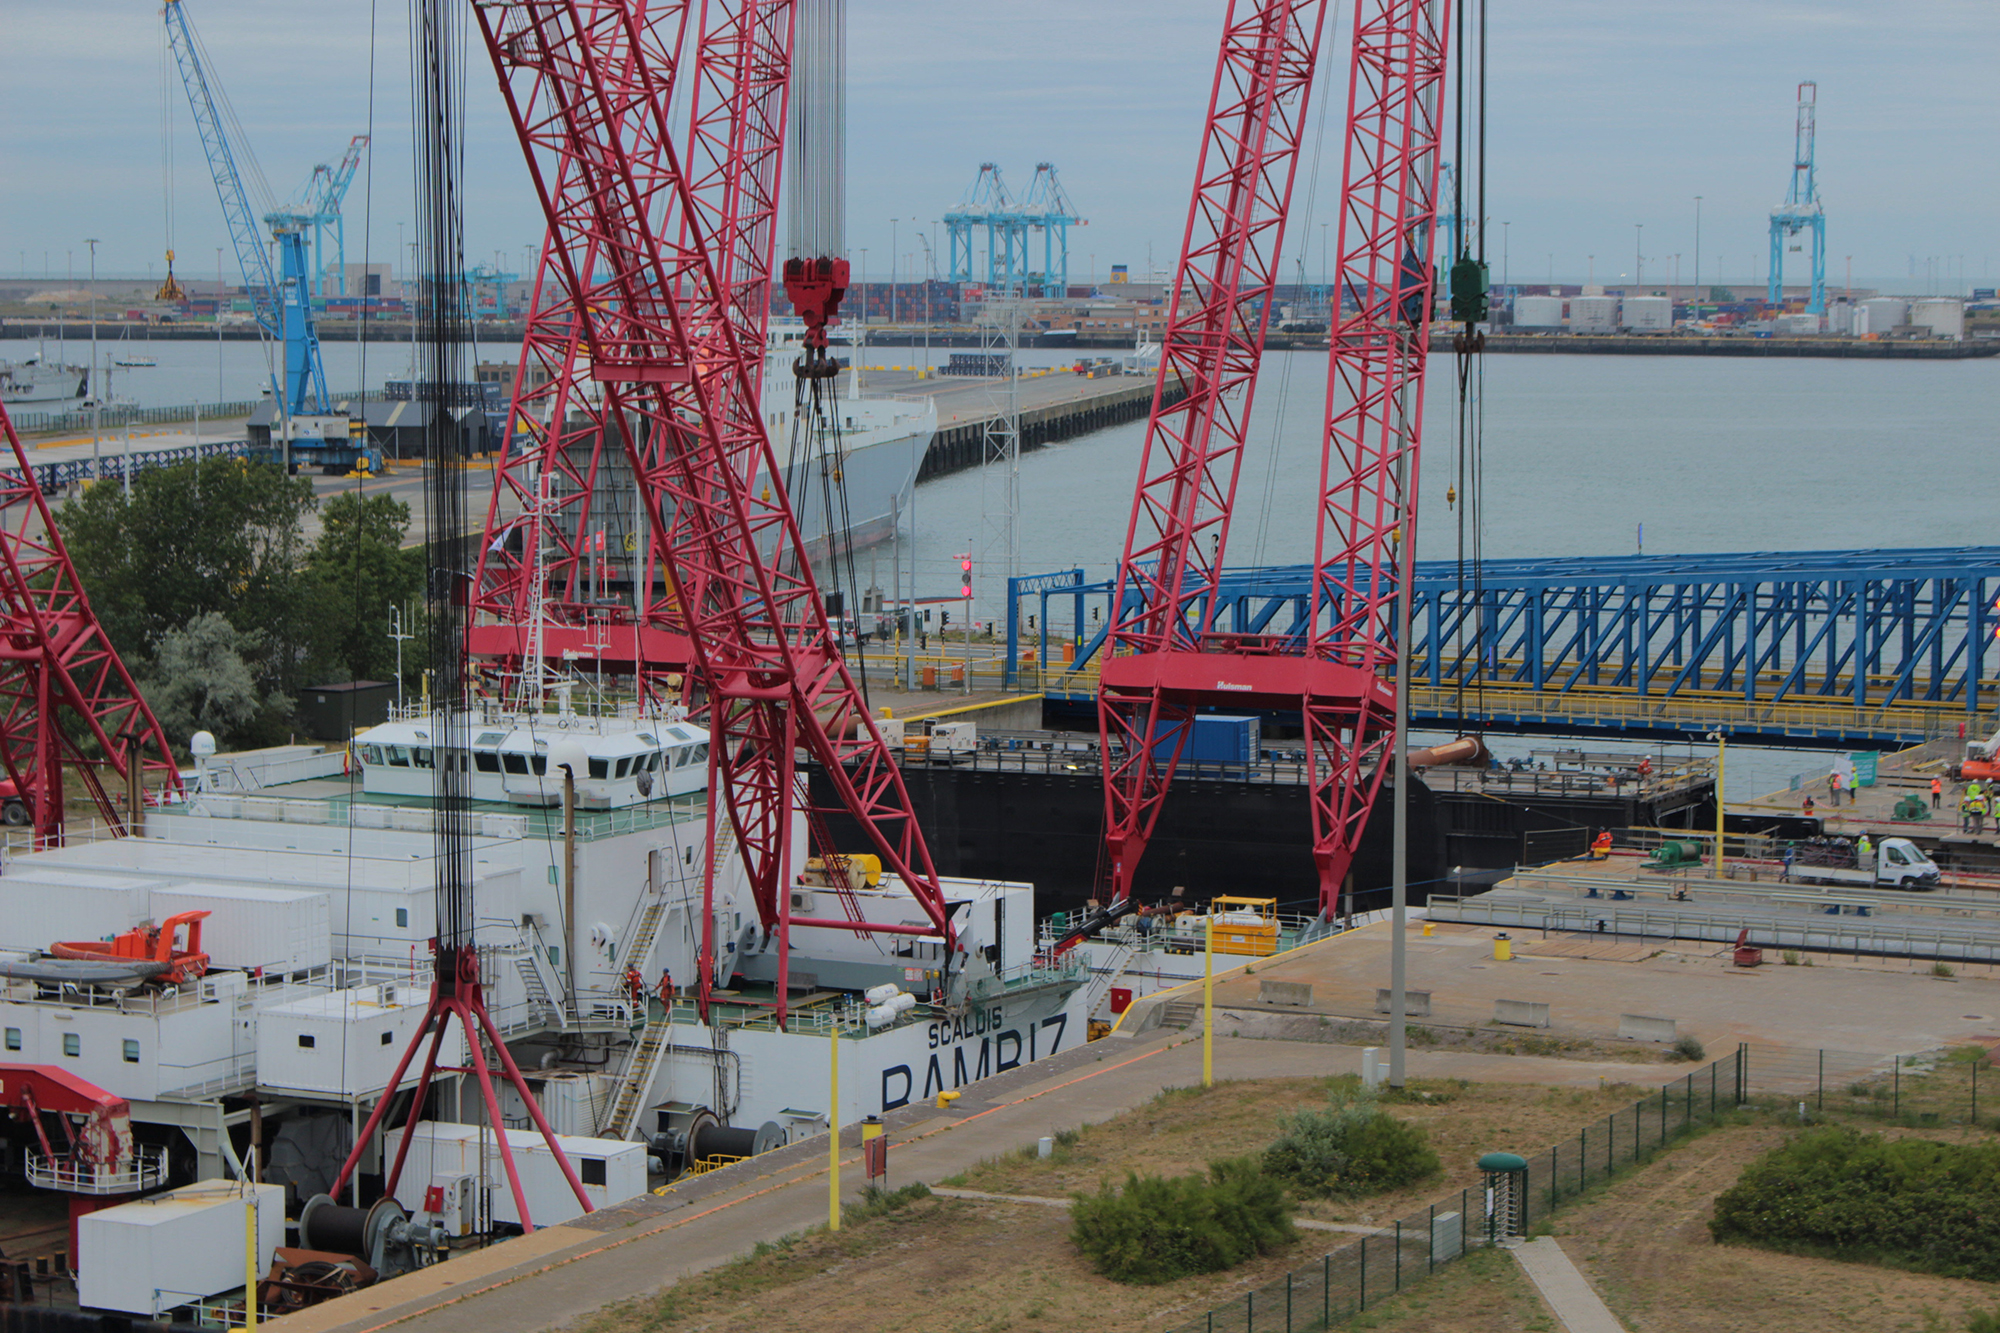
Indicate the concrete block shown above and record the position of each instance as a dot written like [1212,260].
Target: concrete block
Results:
[1374,1069]
[1521,1013]
[1416,1003]
[1640,1027]
[1285,992]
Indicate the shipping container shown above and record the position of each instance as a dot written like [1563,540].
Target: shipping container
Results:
[1943,316]
[149,1256]
[1538,312]
[40,907]
[1647,314]
[279,931]
[1219,739]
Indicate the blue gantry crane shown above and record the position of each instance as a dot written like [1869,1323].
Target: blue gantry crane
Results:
[1045,207]
[1801,210]
[317,205]
[309,430]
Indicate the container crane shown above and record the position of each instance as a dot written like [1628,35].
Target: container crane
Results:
[318,206]
[309,429]
[1166,661]
[1802,210]
[1046,207]
[586,86]
[988,204]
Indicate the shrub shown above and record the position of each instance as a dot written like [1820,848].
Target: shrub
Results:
[1942,969]
[1791,957]
[1160,1228]
[1907,1203]
[1688,1048]
[1351,1148]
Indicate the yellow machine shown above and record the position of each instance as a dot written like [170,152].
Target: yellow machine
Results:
[1245,925]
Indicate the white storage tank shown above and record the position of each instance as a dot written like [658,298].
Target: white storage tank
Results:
[277,931]
[1796,326]
[148,1256]
[1538,312]
[1648,314]
[1943,316]
[1880,314]
[1593,314]
[611,1170]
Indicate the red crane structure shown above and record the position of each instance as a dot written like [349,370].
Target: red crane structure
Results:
[1164,660]
[588,89]
[540,599]
[67,703]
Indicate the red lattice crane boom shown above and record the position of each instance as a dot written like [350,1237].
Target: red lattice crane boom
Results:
[1165,660]
[586,89]
[57,666]
[1161,660]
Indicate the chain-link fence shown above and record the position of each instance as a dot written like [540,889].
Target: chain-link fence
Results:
[1936,1087]
[1348,1280]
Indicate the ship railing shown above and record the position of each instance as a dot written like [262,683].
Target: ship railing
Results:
[146,1169]
[211,1078]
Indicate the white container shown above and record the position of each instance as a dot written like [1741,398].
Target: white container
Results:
[40,907]
[611,1171]
[1801,325]
[1943,316]
[1883,314]
[146,1257]
[278,930]
[1647,314]
[1593,314]
[1538,312]
[345,1044]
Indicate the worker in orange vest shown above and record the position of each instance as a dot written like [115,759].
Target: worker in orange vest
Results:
[635,986]
[1601,849]
[667,989]
[1937,791]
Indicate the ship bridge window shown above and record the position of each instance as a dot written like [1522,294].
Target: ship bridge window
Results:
[371,755]
[486,761]
[399,756]
[600,768]
[72,1044]
[538,764]
[514,761]
[624,767]
[422,754]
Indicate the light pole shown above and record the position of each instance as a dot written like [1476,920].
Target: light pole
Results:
[1503,252]
[1697,248]
[1638,256]
[96,386]
[861,338]
[220,292]
[892,271]
[1721,804]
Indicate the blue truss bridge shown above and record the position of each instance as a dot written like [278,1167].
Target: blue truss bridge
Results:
[1833,648]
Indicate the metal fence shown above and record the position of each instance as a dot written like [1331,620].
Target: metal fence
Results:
[1342,1283]
[1936,1087]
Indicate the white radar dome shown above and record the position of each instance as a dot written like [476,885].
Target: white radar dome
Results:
[202,744]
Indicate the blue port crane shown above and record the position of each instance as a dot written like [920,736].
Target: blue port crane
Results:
[282,299]
[1801,210]
[317,205]
[1046,206]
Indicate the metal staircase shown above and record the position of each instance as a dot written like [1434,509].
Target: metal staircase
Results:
[644,1062]
[539,999]
[1103,974]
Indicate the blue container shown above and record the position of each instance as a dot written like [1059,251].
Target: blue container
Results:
[1218,739]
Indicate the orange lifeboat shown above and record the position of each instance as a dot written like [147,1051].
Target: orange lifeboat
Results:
[154,945]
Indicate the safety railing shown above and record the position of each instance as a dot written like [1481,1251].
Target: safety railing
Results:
[145,1169]
[1356,1277]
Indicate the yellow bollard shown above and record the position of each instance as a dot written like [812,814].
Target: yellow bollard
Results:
[945,1099]
[1427,929]
[1503,948]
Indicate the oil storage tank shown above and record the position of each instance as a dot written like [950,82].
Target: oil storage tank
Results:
[1538,312]
[1943,316]
[1880,314]
[1593,314]
[1647,314]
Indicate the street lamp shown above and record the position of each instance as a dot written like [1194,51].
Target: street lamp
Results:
[1721,804]
[1503,252]
[1697,247]
[1638,256]
[96,385]
[892,272]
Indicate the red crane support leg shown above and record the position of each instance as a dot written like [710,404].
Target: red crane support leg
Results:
[1374,411]
[1161,661]
[584,88]
[66,700]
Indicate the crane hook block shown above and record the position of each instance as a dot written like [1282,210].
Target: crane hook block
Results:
[814,287]
[1469,283]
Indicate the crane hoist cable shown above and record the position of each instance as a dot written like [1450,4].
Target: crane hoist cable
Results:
[1470,282]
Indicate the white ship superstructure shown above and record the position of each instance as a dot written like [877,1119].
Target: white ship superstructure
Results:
[37,381]
[320,895]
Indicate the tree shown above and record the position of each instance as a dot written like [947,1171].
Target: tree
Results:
[201,679]
[219,536]
[354,573]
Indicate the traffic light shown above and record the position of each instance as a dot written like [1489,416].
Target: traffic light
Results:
[944,619]
[965,575]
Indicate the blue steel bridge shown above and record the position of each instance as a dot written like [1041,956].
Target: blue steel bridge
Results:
[1833,648]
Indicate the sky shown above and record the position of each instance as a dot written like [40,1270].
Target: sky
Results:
[1604,115]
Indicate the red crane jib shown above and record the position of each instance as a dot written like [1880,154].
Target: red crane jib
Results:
[814,287]
[105,1139]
